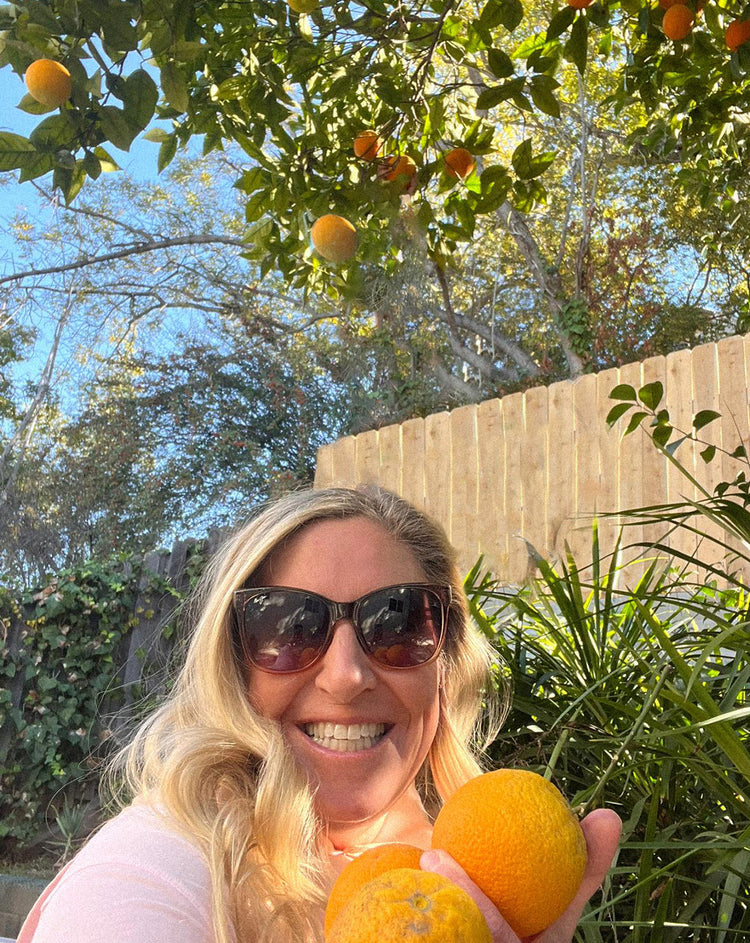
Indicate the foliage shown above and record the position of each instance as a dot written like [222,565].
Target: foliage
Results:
[637,699]
[293,91]
[726,508]
[64,650]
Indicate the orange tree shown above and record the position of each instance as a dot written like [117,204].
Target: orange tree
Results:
[293,90]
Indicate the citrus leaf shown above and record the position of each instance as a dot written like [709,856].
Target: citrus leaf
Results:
[651,394]
[704,417]
[576,48]
[174,87]
[15,151]
[624,391]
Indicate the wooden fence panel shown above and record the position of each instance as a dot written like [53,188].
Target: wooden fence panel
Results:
[491,527]
[537,466]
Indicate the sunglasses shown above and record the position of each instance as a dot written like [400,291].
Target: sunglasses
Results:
[284,630]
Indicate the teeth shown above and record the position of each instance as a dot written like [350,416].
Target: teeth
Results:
[345,738]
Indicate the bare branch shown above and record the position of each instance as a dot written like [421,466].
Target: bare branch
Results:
[136,249]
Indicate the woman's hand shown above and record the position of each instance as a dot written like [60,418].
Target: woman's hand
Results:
[602,831]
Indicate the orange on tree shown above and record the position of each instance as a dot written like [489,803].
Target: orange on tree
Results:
[370,864]
[405,905]
[48,82]
[334,237]
[459,163]
[368,145]
[400,166]
[678,21]
[515,836]
[738,32]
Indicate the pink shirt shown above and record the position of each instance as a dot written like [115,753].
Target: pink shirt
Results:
[135,881]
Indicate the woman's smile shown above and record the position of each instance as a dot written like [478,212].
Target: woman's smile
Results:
[345,737]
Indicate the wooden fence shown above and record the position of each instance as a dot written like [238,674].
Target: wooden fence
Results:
[537,466]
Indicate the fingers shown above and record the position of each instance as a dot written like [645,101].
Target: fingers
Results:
[602,829]
[441,863]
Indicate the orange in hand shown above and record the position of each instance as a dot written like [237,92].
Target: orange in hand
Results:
[370,864]
[407,905]
[515,836]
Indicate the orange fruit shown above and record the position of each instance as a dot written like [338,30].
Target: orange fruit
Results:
[738,32]
[580,4]
[48,82]
[459,163]
[515,836]
[334,237]
[368,145]
[370,864]
[677,22]
[408,905]
[402,166]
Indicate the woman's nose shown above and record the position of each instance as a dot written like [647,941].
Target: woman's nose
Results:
[345,669]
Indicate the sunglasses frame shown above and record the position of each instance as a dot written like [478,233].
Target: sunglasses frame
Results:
[336,612]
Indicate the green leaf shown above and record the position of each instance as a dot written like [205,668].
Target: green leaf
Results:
[708,453]
[651,394]
[15,151]
[174,87]
[635,420]
[704,417]
[616,412]
[116,127]
[53,133]
[543,98]
[507,13]
[624,391]
[526,165]
[500,63]
[560,22]
[167,151]
[576,48]
[662,433]
[140,98]
[491,97]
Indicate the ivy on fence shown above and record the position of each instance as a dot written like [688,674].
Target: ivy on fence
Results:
[66,648]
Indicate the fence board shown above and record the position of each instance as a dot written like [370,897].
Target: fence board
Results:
[560,467]
[464,518]
[534,469]
[437,461]
[389,442]
[491,528]
[367,458]
[412,471]
[518,558]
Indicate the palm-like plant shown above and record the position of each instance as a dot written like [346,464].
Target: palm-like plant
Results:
[637,697]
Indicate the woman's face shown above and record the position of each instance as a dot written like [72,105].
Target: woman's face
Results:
[343,560]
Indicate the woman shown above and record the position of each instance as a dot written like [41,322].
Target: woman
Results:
[328,702]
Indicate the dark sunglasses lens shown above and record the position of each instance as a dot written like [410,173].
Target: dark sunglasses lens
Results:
[402,626]
[283,630]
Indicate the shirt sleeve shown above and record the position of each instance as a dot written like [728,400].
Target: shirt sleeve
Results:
[134,883]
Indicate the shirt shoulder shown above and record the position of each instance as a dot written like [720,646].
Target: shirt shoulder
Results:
[137,880]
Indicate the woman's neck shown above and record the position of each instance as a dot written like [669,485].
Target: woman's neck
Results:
[405,821]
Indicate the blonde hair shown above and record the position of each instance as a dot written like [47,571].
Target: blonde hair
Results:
[222,770]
